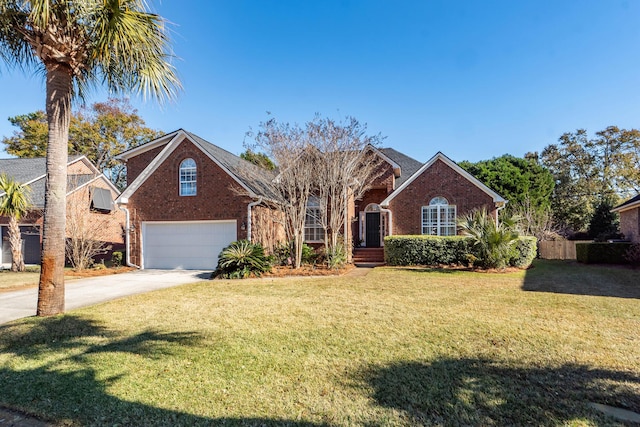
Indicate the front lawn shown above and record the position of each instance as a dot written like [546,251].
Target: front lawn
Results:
[396,347]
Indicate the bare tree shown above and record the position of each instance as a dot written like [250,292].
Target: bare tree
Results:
[344,171]
[288,146]
[536,221]
[88,230]
[331,161]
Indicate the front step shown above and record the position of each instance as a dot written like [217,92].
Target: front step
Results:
[368,257]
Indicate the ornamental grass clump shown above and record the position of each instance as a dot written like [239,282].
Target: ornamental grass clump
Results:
[492,240]
[242,259]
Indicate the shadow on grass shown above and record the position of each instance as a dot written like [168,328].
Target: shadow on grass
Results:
[570,277]
[483,392]
[431,270]
[56,390]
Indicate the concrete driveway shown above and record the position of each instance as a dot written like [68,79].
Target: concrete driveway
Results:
[83,292]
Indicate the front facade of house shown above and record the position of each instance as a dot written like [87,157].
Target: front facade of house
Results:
[415,198]
[630,218]
[90,200]
[188,199]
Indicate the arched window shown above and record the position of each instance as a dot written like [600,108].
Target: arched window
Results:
[188,177]
[313,231]
[439,218]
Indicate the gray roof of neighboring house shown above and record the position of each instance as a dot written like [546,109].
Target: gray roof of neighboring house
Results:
[33,171]
[408,165]
[631,201]
[257,179]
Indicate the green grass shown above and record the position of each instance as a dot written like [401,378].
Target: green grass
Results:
[13,280]
[396,347]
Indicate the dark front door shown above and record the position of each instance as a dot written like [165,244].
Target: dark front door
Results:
[373,229]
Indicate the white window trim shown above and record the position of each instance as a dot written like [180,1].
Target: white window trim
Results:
[192,172]
[313,211]
[441,207]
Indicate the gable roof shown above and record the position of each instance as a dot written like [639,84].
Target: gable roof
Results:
[408,165]
[629,204]
[453,165]
[255,180]
[32,172]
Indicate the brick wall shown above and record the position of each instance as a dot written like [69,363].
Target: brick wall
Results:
[136,165]
[630,224]
[219,197]
[438,180]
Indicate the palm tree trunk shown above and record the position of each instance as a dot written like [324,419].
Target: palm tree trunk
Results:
[15,241]
[58,105]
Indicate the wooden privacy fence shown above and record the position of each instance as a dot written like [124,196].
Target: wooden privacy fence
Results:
[559,249]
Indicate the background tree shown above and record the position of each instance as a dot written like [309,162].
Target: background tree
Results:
[259,159]
[100,132]
[75,45]
[604,224]
[588,170]
[516,179]
[14,204]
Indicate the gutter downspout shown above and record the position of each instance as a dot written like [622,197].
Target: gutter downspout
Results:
[498,209]
[127,230]
[249,206]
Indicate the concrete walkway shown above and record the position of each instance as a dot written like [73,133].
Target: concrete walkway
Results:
[83,292]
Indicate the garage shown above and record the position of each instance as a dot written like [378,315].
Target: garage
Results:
[192,245]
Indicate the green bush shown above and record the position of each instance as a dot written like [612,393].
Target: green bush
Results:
[426,250]
[116,258]
[523,252]
[282,254]
[241,259]
[602,253]
[450,250]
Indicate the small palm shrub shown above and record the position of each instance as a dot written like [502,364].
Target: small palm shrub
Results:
[336,256]
[241,259]
[492,242]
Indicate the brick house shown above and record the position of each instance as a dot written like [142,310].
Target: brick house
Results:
[187,199]
[89,195]
[630,218]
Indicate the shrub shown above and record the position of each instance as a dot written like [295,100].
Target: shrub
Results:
[633,254]
[426,250]
[450,250]
[116,258]
[524,251]
[336,257]
[602,253]
[492,240]
[282,254]
[241,259]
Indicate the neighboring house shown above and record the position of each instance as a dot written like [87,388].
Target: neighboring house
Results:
[630,218]
[188,199]
[89,193]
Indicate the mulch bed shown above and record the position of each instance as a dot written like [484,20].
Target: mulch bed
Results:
[95,272]
[307,270]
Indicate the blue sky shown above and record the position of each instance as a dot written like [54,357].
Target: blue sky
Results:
[473,79]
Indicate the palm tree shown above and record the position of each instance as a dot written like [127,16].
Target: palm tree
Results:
[492,239]
[79,44]
[14,204]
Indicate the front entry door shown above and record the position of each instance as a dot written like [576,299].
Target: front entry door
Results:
[373,229]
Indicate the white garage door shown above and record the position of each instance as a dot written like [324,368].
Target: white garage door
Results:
[185,245]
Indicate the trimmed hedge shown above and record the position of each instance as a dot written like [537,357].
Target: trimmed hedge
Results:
[602,253]
[524,251]
[449,250]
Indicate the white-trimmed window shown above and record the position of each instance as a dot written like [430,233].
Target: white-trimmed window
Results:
[313,231]
[439,218]
[188,177]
